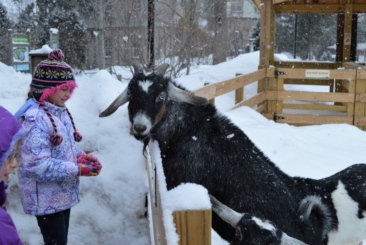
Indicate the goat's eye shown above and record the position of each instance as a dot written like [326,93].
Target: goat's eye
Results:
[239,234]
[161,97]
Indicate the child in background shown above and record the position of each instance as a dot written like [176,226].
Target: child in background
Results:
[11,132]
[51,162]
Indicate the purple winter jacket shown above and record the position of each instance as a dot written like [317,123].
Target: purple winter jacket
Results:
[10,132]
[48,174]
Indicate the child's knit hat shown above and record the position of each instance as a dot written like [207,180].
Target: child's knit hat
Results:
[50,75]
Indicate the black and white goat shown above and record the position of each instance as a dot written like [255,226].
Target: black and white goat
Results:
[200,145]
[252,229]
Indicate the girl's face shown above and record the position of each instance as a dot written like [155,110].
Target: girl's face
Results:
[59,97]
[10,163]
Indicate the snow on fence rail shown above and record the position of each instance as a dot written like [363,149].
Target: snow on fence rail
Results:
[181,216]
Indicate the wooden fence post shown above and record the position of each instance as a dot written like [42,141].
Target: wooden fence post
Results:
[211,101]
[239,93]
[193,227]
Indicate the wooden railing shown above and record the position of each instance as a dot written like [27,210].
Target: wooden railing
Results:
[193,227]
[345,100]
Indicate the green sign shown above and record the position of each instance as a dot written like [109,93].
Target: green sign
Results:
[20,39]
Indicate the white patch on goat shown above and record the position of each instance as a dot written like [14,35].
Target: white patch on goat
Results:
[230,136]
[264,224]
[194,138]
[142,119]
[351,229]
[144,85]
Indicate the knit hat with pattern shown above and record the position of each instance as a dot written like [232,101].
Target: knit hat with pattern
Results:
[50,75]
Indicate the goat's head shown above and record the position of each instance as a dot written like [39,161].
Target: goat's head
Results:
[250,229]
[148,96]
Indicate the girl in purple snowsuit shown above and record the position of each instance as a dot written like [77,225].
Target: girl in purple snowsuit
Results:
[10,134]
[51,162]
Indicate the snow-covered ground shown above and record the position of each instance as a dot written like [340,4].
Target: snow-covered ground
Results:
[112,205]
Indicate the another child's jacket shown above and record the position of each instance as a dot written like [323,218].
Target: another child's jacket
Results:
[10,132]
[48,174]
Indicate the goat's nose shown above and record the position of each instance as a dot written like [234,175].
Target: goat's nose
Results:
[139,128]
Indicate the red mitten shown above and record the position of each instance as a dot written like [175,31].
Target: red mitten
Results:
[89,159]
[87,170]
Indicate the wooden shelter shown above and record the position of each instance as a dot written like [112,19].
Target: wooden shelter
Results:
[347,86]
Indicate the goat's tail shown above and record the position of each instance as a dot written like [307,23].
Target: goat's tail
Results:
[314,204]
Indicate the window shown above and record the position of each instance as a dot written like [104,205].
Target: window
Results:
[236,6]
[108,47]
[136,5]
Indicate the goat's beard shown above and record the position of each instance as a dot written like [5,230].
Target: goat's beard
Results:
[146,141]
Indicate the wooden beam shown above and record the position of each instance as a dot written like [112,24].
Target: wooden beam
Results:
[300,74]
[310,119]
[279,1]
[310,96]
[257,4]
[316,107]
[347,34]
[193,227]
[309,8]
[255,100]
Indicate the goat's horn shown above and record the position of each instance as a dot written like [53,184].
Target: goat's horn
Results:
[160,70]
[120,100]
[181,95]
[225,213]
[137,68]
[287,240]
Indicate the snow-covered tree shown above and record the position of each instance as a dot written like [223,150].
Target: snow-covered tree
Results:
[326,56]
[73,37]
[256,36]
[5,25]
[315,32]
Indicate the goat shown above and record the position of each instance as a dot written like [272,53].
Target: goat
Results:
[199,145]
[252,229]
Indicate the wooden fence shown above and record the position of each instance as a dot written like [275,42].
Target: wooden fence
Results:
[344,103]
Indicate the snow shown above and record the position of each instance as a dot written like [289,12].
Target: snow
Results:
[112,204]
[44,50]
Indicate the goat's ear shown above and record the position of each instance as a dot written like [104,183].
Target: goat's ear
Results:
[181,95]
[160,70]
[287,240]
[137,68]
[120,100]
[227,214]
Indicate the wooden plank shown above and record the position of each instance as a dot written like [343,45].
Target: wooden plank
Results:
[348,11]
[309,82]
[208,92]
[360,104]
[304,65]
[257,4]
[300,74]
[352,65]
[255,100]
[279,1]
[316,107]
[211,101]
[239,93]
[237,82]
[310,8]
[360,122]
[216,89]
[361,74]
[311,119]
[193,227]
[310,96]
